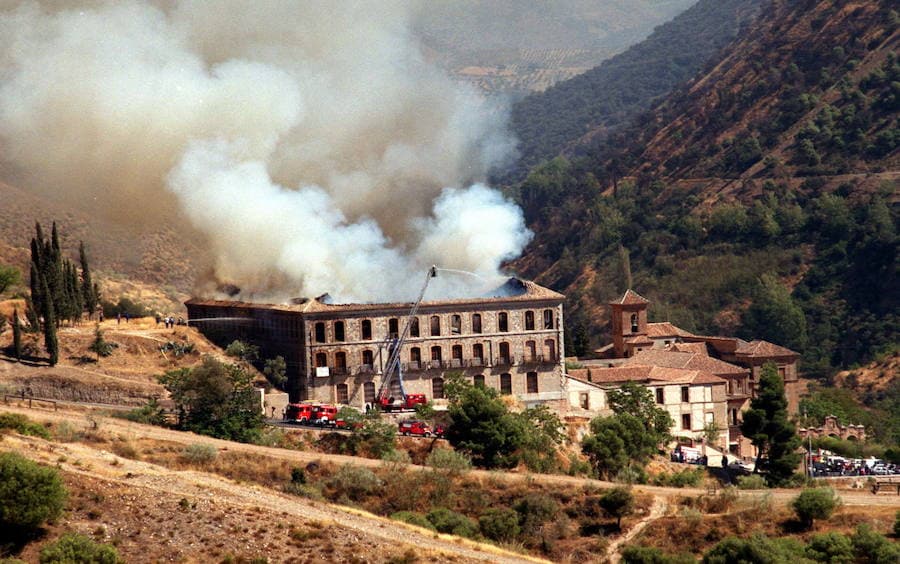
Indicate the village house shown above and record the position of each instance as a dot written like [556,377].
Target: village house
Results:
[510,340]
[735,363]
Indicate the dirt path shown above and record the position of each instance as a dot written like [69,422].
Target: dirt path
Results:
[156,481]
[657,510]
[130,430]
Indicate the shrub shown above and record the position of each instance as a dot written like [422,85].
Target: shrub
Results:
[751,482]
[757,548]
[149,414]
[500,524]
[451,522]
[689,477]
[377,437]
[534,510]
[73,548]
[199,453]
[652,555]
[30,494]
[815,503]
[451,461]
[617,502]
[833,548]
[897,525]
[353,482]
[871,547]
[413,518]
[20,424]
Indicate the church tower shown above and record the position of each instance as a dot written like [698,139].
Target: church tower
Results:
[629,324]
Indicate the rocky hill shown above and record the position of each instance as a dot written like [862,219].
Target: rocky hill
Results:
[758,199]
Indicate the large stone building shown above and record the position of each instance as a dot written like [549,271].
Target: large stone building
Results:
[510,339]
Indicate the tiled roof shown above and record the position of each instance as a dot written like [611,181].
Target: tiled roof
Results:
[632,298]
[698,348]
[763,349]
[665,329]
[686,360]
[528,291]
[644,373]
[639,340]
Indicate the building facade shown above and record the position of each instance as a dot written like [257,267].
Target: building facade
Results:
[339,353]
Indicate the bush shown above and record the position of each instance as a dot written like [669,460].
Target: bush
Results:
[377,437]
[815,503]
[617,502]
[20,424]
[833,548]
[199,453]
[30,494]
[751,482]
[534,510]
[451,522]
[500,524]
[353,482]
[689,477]
[413,518]
[73,548]
[757,548]
[149,414]
[897,525]
[451,461]
[871,547]
[652,555]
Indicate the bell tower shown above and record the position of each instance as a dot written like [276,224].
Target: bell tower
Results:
[629,323]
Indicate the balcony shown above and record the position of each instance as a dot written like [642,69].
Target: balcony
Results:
[476,362]
[503,361]
[413,366]
[338,370]
[365,369]
[455,363]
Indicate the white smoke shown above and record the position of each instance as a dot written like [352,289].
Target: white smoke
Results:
[309,142]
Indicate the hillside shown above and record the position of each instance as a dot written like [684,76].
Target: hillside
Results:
[705,205]
[517,46]
[154,262]
[609,96]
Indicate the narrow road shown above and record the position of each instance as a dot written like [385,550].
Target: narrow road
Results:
[657,510]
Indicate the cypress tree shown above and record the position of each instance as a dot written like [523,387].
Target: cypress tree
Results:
[770,429]
[17,335]
[88,291]
[50,340]
[34,322]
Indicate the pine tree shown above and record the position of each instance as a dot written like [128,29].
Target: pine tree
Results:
[17,335]
[88,289]
[770,430]
[50,340]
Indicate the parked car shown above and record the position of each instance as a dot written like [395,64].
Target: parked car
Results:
[741,467]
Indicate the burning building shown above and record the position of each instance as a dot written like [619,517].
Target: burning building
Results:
[510,339]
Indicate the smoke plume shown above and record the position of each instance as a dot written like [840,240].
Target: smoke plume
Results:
[310,143]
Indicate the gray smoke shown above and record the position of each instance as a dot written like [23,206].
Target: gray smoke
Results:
[309,142]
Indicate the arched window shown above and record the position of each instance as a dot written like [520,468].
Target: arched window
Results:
[455,325]
[435,326]
[338,330]
[531,351]
[393,328]
[504,354]
[478,380]
[477,354]
[415,357]
[634,323]
[436,354]
[548,319]
[529,321]
[531,382]
[505,384]
[340,362]
[369,392]
[320,332]
[549,350]
[503,322]
[456,356]
[368,359]
[321,359]
[414,327]
[341,393]
[366,329]
[437,388]
[476,323]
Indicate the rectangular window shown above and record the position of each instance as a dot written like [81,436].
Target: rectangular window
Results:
[478,380]
[548,319]
[342,395]
[437,388]
[414,327]
[320,332]
[529,321]
[435,326]
[366,329]
[584,399]
[393,328]
[685,394]
[659,396]
[686,422]
[503,322]
[476,323]
[338,330]
[455,325]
